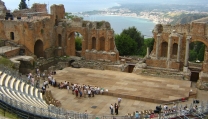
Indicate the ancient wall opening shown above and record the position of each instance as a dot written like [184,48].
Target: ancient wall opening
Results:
[12,35]
[131,68]
[164,49]
[56,21]
[76,41]
[197,57]
[38,49]
[197,51]
[102,43]
[194,76]
[175,49]
[111,44]
[93,43]
[59,40]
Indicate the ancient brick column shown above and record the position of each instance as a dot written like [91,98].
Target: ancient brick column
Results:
[179,49]
[147,52]
[157,46]
[169,47]
[185,69]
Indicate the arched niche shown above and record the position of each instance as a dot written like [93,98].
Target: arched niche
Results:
[112,46]
[102,43]
[38,49]
[93,43]
[164,49]
[175,49]
[12,35]
[59,40]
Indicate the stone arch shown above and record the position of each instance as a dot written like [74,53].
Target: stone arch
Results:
[59,40]
[93,43]
[71,43]
[12,35]
[175,49]
[38,48]
[102,43]
[192,46]
[205,41]
[206,54]
[164,49]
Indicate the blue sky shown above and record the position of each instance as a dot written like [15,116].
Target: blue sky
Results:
[70,5]
[80,5]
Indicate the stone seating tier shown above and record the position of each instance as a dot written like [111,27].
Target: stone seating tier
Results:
[18,90]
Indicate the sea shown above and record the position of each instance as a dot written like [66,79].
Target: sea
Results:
[118,23]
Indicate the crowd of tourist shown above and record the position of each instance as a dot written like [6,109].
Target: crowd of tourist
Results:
[81,90]
[34,79]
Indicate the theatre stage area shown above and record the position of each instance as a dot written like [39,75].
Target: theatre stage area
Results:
[128,85]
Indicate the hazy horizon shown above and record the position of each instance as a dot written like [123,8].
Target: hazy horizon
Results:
[88,5]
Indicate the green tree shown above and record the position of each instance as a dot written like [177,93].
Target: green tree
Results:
[148,42]
[197,50]
[23,5]
[125,45]
[192,55]
[78,43]
[201,53]
[136,35]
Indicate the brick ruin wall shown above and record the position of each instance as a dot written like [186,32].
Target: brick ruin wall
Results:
[36,9]
[198,32]
[26,33]
[57,35]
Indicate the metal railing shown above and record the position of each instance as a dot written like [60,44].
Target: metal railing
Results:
[197,110]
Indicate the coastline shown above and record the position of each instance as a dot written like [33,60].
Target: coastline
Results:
[140,17]
[120,22]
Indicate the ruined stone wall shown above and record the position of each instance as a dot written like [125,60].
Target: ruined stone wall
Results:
[180,28]
[102,56]
[198,28]
[12,53]
[57,35]
[37,10]
[7,27]
[206,29]
[39,7]
[166,36]
[104,50]
[27,33]
[22,13]
[156,63]
[58,11]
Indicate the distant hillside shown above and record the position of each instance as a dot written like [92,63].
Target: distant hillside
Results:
[187,18]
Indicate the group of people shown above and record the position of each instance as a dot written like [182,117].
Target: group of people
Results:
[115,107]
[81,90]
[85,90]
[31,79]
[63,85]
[50,80]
